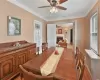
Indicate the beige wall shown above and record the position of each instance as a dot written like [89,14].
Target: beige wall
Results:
[81,34]
[27,19]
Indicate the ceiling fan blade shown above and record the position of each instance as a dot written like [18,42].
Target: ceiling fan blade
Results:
[60,7]
[44,6]
[62,1]
[49,1]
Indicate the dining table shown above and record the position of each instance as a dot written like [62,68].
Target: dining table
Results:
[65,68]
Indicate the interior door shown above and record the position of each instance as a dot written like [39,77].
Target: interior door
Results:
[51,35]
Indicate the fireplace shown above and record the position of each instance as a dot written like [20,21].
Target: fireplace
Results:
[59,38]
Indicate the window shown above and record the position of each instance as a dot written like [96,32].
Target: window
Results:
[94,32]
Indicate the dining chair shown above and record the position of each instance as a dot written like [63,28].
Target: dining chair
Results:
[81,66]
[31,76]
[77,57]
[77,51]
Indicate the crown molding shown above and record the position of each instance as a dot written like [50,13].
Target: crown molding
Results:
[91,8]
[68,18]
[15,2]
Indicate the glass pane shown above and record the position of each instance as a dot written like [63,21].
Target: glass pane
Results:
[94,29]
[94,41]
[96,23]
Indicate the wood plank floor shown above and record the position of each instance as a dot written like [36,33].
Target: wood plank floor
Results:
[86,76]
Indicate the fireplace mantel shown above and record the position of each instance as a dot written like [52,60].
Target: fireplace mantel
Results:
[60,35]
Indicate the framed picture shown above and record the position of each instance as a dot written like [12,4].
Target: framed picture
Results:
[59,31]
[14,26]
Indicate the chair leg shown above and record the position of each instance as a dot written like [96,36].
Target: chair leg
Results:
[21,76]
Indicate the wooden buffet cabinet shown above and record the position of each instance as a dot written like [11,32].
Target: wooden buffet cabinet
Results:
[13,56]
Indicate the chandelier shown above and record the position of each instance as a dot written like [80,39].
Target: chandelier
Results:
[53,10]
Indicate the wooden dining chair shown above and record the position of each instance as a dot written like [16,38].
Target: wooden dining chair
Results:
[81,70]
[77,57]
[81,65]
[77,51]
[31,76]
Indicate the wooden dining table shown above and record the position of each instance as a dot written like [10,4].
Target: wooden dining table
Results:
[65,69]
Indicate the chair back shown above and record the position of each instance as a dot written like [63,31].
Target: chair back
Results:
[77,56]
[31,76]
[81,65]
[77,51]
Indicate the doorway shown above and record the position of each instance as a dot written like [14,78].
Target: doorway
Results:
[71,36]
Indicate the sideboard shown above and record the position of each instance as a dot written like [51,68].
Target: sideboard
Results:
[12,56]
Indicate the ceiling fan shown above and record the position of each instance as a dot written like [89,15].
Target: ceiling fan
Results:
[55,3]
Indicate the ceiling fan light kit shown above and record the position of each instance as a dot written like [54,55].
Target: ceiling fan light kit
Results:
[53,10]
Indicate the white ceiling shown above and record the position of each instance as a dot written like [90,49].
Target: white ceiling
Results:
[75,8]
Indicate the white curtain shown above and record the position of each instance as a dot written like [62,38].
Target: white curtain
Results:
[38,35]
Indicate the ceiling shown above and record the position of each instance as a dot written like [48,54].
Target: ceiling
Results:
[75,8]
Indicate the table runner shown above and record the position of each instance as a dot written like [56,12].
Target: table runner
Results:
[51,63]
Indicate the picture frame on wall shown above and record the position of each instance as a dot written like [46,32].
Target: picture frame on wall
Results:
[14,26]
[59,31]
